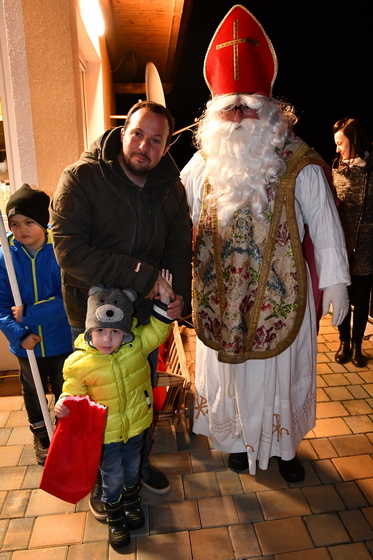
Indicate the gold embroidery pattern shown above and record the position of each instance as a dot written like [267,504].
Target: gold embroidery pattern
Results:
[202,407]
[234,43]
[250,448]
[305,408]
[246,306]
[266,437]
[221,427]
[277,428]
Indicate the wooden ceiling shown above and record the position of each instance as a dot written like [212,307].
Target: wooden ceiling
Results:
[141,31]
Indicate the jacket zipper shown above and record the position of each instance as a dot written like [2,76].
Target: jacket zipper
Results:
[36,295]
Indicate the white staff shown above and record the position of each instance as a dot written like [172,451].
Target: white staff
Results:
[30,353]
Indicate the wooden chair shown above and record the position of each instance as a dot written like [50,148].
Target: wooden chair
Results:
[179,397]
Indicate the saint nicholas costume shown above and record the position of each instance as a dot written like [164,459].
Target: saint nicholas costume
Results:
[253,312]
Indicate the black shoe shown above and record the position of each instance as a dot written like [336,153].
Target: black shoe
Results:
[291,471]
[96,506]
[118,531]
[41,443]
[154,480]
[357,357]
[131,502]
[343,355]
[238,462]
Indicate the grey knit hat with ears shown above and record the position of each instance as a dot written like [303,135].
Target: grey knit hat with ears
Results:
[110,308]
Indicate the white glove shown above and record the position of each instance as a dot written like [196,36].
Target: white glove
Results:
[336,295]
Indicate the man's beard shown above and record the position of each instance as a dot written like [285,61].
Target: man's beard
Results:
[241,164]
[139,169]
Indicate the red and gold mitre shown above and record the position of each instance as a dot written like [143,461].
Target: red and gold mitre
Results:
[240,58]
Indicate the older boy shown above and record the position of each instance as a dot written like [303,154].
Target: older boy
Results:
[40,324]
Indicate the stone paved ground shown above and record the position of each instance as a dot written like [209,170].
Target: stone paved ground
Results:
[211,512]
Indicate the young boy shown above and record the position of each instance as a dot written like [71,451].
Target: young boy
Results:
[110,365]
[40,324]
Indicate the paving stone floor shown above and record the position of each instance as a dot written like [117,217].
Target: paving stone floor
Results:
[211,512]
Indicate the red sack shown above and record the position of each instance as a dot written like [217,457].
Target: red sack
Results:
[75,450]
[159,393]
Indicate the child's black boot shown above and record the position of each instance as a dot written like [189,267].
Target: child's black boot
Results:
[41,443]
[118,531]
[134,514]
[96,505]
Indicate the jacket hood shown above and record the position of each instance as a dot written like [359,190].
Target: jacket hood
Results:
[13,241]
[105,151]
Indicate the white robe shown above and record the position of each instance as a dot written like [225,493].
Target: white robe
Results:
[266,407]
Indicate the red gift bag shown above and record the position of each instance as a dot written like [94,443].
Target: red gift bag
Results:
[75,450]
[159,393]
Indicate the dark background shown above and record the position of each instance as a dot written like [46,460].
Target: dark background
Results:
[324,52]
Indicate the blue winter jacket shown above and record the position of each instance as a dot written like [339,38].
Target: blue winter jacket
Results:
[39,281]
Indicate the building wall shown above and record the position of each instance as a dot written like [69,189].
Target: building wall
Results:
[108,90]
[53,70]
[15,96]
[41,93]
[8,361]
[42,53]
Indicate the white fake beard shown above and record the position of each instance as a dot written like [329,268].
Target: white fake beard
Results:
[241,164]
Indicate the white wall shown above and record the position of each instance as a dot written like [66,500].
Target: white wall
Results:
[15,96]
[7,359]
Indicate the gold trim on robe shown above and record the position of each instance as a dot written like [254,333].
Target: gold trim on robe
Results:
[250,281]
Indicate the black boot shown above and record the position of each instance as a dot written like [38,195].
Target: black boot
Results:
[95,504]
[238,462]
[41,443]
[292,470]
[131,503]
[343,353]
[118,531]
[357,357]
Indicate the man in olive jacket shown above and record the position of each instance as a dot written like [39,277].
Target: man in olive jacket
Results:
[119,216]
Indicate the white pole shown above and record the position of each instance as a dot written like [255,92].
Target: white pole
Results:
[30,353]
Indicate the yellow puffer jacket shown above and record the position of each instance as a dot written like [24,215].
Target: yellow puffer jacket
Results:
[120,381]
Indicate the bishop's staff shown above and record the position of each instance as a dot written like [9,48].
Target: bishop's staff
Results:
[30,353]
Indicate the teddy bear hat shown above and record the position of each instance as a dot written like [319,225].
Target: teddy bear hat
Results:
[110,308]
[240,58]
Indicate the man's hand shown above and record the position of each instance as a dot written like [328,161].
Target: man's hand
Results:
[31,341]
[17,311]
[175,308]
[60,409]
[336,295]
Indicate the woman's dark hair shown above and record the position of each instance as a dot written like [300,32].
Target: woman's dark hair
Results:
[360,142]
[153,108]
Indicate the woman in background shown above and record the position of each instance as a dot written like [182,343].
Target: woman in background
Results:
[353,180]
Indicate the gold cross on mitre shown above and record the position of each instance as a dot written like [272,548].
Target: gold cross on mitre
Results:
[234,43]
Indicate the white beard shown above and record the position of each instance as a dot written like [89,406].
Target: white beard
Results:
[241,163]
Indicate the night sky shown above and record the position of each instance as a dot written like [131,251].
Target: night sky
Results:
[324,57]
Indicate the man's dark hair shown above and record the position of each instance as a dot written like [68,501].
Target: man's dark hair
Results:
[153,108]
[360,142]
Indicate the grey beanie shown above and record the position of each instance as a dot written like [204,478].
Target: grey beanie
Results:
[31,203]
[110,308]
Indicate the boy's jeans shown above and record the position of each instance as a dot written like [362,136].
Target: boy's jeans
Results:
[120,465]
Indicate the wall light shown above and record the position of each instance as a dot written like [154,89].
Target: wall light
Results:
[92,17]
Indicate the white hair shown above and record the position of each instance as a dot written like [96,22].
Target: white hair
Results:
[243,159]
